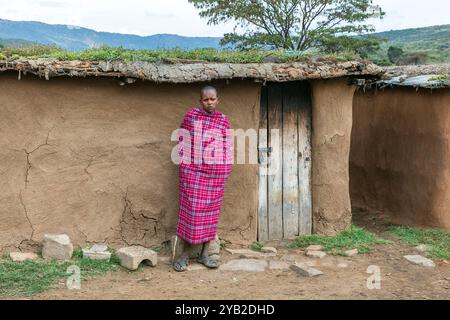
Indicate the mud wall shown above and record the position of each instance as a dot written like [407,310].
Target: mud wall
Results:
[92,159]
[400,155]
[332,126]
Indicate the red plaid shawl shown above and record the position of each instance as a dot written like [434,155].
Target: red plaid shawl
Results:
[202,177]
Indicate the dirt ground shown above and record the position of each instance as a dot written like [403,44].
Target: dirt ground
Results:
[400,280]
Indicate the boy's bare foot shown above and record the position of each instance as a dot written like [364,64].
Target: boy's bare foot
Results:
[182,263]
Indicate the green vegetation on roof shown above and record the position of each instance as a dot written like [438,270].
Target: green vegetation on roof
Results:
[127,55]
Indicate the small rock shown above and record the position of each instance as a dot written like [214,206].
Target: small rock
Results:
[278,265]
[421,261]
[99,248]
[22,256]
[248,265]
[342,265]
[314,248]
[250,254]
[351,253]
[131,257]
[422,248]
[269,250]
[57,247]
[316,254]
[305,270]
[96,255]
[145,279]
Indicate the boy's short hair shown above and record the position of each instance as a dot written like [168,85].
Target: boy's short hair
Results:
[207,88]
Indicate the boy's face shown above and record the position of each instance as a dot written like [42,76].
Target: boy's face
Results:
[209,100]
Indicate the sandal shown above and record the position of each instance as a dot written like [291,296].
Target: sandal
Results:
[181,264]
[208,262]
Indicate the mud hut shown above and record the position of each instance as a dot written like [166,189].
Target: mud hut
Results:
[86,148]
[399,161]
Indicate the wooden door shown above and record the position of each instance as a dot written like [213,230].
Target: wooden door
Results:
[285,204]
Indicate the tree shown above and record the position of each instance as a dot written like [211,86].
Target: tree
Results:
[394,54]
[289,24]
[364,46]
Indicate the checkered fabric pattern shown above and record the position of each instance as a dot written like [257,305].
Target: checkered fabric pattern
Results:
[203,174]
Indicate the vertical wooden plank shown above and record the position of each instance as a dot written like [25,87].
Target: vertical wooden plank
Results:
[305,158]
[275,178]
[263,227]
[290,160]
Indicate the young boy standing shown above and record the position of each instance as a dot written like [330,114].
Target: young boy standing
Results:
[203,173]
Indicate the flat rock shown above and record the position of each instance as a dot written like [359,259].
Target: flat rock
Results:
[351,253]
[269,250]
[420,260]
[132,257]
[422,248]
[99,248]
[278,265]
[306,271]
[96,255]
[247,265]
[316,254]
[22,256]
[315,247]
[250,254]
[57,247]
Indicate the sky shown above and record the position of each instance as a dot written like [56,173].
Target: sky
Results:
[148,17]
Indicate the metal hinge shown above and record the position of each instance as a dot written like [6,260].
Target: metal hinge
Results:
[264,149]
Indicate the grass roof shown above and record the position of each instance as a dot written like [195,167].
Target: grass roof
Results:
[197,55]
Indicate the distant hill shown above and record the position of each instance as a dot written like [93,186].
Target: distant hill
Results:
[433,42]
[14,42]
[417,34]
[78,38]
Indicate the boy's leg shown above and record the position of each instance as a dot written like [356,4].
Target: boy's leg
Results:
[186,249]
[205,259]
[205,250]
[183,260]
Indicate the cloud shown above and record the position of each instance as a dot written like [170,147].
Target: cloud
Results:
[152,14]
[53,4]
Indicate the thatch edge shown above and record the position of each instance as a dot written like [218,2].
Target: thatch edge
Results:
[194,72]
